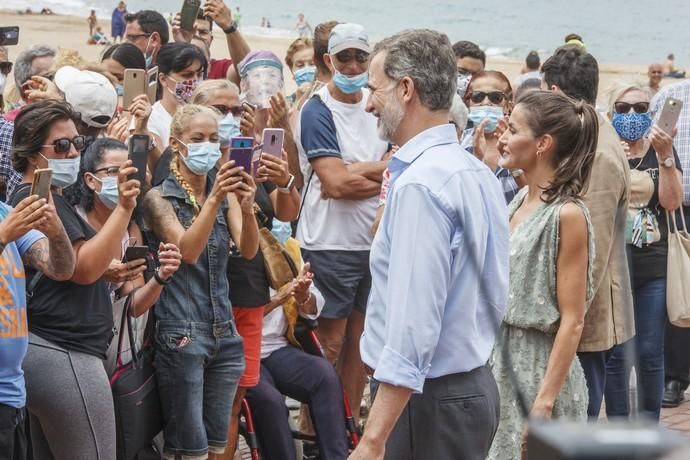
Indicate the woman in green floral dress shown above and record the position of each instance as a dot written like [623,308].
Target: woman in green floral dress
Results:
[552,138]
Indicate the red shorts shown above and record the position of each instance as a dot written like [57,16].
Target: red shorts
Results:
[249,323]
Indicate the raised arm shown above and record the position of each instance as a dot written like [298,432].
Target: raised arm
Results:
[241,219]
[670,178]
[237,45]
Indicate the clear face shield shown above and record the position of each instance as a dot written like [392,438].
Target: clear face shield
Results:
[260,83]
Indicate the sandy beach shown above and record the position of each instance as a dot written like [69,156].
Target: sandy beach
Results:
[72,32]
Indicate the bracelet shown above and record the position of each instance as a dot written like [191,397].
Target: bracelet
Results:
[301,304]
[232,28]
[160,280]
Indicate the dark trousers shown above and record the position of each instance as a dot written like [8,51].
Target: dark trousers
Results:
[645,351]
[308,379]
[455,418]
[594,366]
[13,445]
[677,349]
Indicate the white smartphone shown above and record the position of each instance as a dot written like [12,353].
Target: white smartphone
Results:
[669,115]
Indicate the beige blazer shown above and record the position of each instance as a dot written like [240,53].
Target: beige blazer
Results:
[609,319]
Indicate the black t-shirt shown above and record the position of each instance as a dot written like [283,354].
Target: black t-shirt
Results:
[649,262]
[162,169]
[248,283]
[75,316]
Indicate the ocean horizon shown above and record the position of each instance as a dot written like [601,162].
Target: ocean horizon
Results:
[615,31]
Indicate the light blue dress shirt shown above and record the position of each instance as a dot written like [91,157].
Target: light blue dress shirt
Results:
[439,265]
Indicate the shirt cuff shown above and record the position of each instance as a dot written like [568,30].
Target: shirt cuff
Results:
[395,369]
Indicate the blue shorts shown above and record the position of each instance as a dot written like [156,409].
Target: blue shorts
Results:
[343,278]
[198,366]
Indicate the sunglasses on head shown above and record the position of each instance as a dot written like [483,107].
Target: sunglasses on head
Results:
[495,97]
[346,56]
[224,110]
[62,145]
[5,67]
[638,107]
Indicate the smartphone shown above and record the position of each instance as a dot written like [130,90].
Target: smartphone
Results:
[669,115]
[256,159]
[188,14]
[9,35]
[272,140]
[242,142]
[135,84]
[139,154]
[242,157]
[152,87]
[41,183]
[135,252]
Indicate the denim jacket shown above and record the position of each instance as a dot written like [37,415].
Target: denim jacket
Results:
[197,293]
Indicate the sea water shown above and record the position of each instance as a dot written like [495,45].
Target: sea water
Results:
[615,31]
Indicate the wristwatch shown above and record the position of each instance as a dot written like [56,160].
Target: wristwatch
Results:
[152,143]
[669,162]
[231,28]
[288,186]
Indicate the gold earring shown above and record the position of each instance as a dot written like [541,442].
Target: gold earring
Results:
[539,153]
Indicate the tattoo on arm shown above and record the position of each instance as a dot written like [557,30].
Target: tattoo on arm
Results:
[54,258]
[159,215]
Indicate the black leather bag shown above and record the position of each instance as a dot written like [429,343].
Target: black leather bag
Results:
[138,417]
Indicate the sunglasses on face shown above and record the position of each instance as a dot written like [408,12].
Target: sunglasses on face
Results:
[346,56]
[495,97]
[5,67]
[638,107]
[224,110]
[62,145]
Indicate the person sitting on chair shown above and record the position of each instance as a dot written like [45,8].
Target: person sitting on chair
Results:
[287,370]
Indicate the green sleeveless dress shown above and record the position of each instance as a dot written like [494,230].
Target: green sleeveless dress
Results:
[530,325]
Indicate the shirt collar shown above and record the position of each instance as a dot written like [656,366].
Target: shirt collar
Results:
[408,153]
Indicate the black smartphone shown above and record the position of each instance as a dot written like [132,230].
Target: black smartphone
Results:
[188,14]
[9,35]
[135,252]
[139,154]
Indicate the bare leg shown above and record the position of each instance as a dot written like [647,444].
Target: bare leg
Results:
[350,365]
[233,428]
[332,335]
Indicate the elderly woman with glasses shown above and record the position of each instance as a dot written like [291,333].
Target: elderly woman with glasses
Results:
[655,177]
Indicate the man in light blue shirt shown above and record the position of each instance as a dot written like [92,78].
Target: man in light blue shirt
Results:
[439,265]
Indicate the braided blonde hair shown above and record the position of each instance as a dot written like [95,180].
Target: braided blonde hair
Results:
[180,122]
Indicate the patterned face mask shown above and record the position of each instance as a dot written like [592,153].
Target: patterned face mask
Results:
[631,126]
[183,90]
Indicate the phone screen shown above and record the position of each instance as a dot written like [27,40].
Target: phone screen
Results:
[9,36]
[138,153]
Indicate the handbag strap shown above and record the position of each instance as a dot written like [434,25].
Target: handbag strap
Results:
[126,320]
[671,222]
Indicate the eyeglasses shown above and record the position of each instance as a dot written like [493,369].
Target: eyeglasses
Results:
[236,111]
[495,97]
[638,107]
[62,145]
[5,67]
[109,170]
[346,56]
[135,37]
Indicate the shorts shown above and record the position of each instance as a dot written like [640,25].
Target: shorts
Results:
[13,444]
[249,323]
[343,278]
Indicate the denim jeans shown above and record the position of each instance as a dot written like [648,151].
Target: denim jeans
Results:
[308,379]
[645,351]
[198,366]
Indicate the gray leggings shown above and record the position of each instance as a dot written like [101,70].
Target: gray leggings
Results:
[70,404]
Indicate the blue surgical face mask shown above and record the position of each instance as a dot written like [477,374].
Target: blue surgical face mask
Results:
[350,85]
[201,156]
[281,230]
[305,75]
[228,127]
[109,193]
[491,113]
[65,171]
[631,126]
[120,90]
[149,59]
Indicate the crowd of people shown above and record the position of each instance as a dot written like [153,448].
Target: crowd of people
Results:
[462,239]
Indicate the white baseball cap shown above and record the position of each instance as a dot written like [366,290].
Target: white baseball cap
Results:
[89,93]
[346,36]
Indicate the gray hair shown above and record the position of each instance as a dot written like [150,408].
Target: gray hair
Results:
[458,113]
[202,93]
[426,57]
[23,70]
